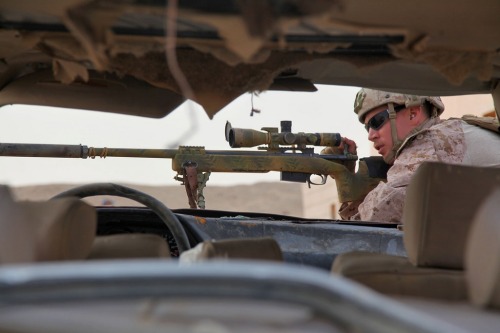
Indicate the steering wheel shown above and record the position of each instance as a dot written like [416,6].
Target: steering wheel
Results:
[155,205]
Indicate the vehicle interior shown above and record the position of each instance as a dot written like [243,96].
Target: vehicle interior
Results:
[67,265]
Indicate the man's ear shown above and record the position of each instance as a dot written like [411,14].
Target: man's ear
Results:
[416,113]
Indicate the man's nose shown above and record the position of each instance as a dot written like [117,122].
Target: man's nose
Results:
[372,134]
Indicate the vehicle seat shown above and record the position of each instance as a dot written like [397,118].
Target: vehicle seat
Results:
[129,246]
[440,204]
[396,275]
[246,248]
[480,311]
[61,229]
[482,255]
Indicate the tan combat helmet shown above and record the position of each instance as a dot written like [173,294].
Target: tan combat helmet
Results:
[368,99]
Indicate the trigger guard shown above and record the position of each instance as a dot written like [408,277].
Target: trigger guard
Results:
[324,178]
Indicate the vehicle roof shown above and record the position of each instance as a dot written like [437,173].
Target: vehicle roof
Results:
[115,56]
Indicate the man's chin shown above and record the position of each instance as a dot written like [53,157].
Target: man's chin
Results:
[388,158]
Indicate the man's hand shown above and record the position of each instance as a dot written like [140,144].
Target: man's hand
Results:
[351,147]
[353,187]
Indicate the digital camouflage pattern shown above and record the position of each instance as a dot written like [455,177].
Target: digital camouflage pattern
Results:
[444,141]
[368,99]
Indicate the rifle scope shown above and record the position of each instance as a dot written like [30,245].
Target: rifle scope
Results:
[241,137]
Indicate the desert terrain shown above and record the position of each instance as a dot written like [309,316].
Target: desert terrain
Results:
[266,197]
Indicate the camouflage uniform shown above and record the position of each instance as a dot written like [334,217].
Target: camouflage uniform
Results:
[449,141]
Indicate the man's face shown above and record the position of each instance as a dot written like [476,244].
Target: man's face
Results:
[382,137]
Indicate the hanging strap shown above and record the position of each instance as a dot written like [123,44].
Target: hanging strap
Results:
[191,183]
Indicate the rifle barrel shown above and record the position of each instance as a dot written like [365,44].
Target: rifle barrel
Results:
[79,151]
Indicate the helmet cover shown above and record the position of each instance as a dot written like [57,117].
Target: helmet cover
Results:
[369,99]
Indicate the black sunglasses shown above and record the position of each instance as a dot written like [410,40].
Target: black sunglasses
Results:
[378,120]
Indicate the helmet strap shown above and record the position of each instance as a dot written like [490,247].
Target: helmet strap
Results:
[396,143]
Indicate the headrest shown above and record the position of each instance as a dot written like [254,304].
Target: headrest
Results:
[247,248]
[440,204]
[62,229]
[482,253]
[129,246]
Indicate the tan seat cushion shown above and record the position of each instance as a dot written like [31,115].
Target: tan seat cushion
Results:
[247,248]
[129,246]
[441,201]
[395,275]
[483,253]
[62,229]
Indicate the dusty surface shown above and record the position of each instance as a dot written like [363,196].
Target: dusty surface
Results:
[275,198]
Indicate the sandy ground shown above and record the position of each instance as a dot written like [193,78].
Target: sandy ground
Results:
[269,197]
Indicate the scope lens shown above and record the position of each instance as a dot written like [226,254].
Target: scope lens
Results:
[231,139]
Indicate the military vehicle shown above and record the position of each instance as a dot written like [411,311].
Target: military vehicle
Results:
[145,58]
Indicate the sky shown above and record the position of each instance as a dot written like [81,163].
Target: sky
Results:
[330,109]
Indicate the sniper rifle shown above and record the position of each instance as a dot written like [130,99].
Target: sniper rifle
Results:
[286,152]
